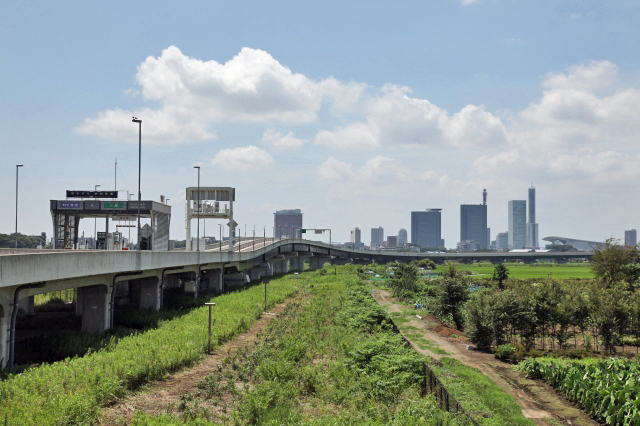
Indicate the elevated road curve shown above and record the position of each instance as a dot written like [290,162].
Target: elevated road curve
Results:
[104,279]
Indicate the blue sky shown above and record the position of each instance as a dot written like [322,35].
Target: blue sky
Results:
[356,113]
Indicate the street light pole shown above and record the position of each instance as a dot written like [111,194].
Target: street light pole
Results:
[198,234]
[220,225]
[95,221]
[17,168]
[137,120]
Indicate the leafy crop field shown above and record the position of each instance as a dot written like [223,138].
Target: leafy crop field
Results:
[531,271]
[72,391]
[606,389]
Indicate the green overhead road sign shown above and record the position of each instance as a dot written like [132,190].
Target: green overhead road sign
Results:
[113,205]
[303,231]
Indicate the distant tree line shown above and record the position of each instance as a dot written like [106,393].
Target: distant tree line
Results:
[600,313]
[24,241]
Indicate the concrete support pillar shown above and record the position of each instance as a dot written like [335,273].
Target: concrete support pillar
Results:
[95,308]
[215,280]
[266,269]
[314,263]
[297,264]
[235,280]
[78,302]
[255,274]
[150,293]
[27,305]
[281,267]
[5,322]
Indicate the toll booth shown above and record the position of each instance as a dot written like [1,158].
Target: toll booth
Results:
[66,216]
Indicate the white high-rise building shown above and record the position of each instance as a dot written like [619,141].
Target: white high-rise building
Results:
[402,237]
[356,236]
[517,224]
[502,241]
[532,226]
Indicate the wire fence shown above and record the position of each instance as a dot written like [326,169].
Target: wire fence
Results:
[432,385]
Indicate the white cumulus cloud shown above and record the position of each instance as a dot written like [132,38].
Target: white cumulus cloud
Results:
[333,169]
[248,158]
[583,127]
[278,141]
[194,95]
[395,118]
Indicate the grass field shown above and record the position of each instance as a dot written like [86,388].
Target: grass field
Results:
[530,271]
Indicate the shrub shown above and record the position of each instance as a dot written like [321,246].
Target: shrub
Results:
[504,352]
[535,353]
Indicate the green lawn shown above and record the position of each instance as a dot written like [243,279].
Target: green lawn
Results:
[530,271]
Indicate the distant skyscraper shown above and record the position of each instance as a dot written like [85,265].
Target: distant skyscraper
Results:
[377,236]
[426,228]
[532,226]
[355,235]
[502,241]
[517,224]
[402,237]
[392,241]
[473,224]
[630,238]
[287,223]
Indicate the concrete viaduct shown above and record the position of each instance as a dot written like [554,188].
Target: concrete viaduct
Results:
[102,278]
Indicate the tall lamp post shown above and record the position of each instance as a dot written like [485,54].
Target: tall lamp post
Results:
[137,120]
[95,221]
[17,168]
[220,225]
[198,237]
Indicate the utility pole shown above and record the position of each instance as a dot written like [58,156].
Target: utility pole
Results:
[136,120]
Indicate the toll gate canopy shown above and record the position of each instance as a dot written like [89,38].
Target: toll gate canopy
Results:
[66,215]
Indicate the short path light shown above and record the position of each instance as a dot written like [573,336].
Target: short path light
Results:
[265,294]
[210,305]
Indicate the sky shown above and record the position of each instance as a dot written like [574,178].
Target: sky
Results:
[355,112]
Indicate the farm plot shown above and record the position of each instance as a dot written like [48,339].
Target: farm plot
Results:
[607,389]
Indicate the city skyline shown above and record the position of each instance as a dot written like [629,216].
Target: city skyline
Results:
[391,109]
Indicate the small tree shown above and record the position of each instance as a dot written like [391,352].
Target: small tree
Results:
[405,280]
[614,262]
[479,319]
[455,292]
[500,273]
[427,264]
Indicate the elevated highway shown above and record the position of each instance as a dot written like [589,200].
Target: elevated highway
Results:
[103,279]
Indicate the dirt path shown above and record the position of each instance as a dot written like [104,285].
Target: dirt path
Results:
[538,400]
[161,395]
